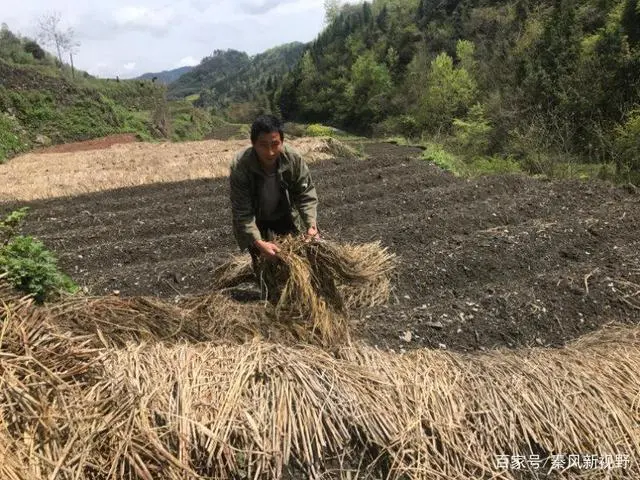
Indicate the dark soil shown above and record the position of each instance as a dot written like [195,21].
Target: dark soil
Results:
[501,261]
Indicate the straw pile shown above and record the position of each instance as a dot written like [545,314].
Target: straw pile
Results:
[324,148]
[136,164]
[112,388]
[262,410]
[314,285]
[116,322]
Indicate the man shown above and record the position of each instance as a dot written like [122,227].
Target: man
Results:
[271,191]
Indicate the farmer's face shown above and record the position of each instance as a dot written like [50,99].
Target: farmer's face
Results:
[268,146]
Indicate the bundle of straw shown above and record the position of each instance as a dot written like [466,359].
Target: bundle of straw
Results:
[116,322]
[314,285]
[234,272]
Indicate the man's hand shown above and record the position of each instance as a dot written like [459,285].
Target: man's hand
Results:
[312,233]
[267,250]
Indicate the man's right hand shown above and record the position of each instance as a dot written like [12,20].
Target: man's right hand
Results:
[268,250]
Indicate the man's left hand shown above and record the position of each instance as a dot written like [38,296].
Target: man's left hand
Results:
[312,233]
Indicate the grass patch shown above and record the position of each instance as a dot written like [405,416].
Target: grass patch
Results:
[189,123]
[582,171]
[319,130]
[131,94]
[446,160]
[594,171]
[494,165]
[474,167]
[560,167]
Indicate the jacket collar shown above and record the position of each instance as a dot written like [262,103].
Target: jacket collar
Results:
[283,162]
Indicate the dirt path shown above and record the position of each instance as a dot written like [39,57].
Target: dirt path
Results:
[495,262]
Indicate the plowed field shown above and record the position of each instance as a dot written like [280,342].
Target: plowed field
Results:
[501,261]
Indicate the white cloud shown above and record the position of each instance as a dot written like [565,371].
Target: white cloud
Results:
[154,34]
[298,6]
[129,66]
[258,7]
[144,17]
[187,61]
[99,69]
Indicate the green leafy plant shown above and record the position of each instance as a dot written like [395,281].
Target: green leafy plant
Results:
[11,222]
[27,264]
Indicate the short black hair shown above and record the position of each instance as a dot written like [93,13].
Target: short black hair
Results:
[266,124]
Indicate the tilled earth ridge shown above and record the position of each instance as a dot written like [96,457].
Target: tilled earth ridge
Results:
[502,261]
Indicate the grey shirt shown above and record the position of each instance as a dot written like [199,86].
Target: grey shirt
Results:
[270,198]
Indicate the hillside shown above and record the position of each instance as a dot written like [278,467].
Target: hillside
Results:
[546,84]
[166,76]
[231,79]
[40,106]
[539,81]
[42,103]
[211,70]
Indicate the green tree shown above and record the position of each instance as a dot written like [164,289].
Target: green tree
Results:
[382,20]
[370,81]
[449,93]
[631,20]
[553,62]
[331,10]
[473,132]
[34,49]
[308,87]
[465,51]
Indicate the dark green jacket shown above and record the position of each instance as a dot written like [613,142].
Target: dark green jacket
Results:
[296,188]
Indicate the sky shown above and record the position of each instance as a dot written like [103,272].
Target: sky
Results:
[127,38]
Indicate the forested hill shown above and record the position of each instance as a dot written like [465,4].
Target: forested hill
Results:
[519,77]
[232,76]
[166,76]
[211,70]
